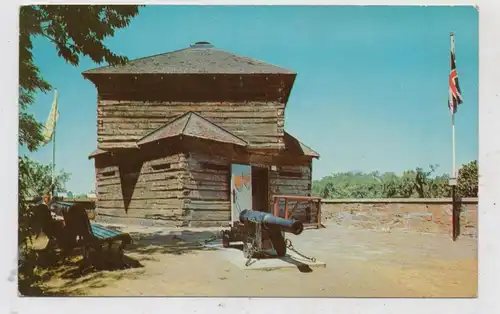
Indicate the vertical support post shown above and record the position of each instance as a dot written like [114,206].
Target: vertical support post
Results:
[276,206]
[454,210]
[319,213]
[286,208]
[455,220]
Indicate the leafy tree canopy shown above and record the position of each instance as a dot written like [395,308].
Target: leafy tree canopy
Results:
[75,30]
[411,183]
[38,177]
[468,180]
[34,180]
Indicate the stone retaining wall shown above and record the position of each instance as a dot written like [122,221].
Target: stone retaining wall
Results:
[425,215]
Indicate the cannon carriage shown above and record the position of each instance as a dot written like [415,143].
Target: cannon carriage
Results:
[262,234]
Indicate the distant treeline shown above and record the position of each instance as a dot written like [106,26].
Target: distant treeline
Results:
[418,183]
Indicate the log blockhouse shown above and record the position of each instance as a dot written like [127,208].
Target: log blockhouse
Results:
[194,136]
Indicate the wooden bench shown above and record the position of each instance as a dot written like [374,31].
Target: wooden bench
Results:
[78,231]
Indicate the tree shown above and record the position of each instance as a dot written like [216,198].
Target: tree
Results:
[411,183]
[34,180]
[467,181]
[424,182]
[390,183]
[406,186]
[75,30]
[38,177]
[440,186]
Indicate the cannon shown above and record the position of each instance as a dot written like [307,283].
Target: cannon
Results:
[260,233]
[272,222]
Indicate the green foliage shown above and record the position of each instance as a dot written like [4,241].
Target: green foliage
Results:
[80,197]
[38,177]
[34,180]
[24,214]
[468,178]
[75,30]
[411,183]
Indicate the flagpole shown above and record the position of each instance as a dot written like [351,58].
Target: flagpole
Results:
[453,147]
[453,181]
[454,174]
[54,149]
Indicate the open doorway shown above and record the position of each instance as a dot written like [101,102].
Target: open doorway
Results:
[260,192]
[249,189]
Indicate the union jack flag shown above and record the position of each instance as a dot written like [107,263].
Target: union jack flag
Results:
[455,94]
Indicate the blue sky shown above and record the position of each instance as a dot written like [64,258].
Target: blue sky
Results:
[370,94]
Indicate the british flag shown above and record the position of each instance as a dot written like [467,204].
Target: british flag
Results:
[455,94]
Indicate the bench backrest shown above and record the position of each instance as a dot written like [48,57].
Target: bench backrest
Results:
[77,222]
[43,221]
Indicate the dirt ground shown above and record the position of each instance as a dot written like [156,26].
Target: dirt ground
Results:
[359,263]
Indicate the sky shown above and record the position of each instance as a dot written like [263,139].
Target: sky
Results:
[370,94]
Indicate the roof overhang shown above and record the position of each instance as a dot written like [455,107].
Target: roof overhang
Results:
[293,145]
[200,58]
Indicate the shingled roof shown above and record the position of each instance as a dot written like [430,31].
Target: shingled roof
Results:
[194,125]
[295,146]
[201,57]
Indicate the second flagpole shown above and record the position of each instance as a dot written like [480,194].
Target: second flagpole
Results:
[453,180]
[453,183]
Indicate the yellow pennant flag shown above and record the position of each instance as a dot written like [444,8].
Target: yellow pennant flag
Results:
[50,125]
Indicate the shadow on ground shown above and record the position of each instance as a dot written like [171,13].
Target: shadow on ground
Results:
[50,264]
[176,242]
[302,267]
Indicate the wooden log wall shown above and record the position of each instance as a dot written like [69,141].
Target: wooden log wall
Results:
[292,180]
[121,123]
[188,181]
[149,189]
[208,181]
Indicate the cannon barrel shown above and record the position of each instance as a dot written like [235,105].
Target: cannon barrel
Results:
[287,225]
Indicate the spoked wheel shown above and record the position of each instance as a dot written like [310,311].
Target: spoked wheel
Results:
[225,239]
[248,249]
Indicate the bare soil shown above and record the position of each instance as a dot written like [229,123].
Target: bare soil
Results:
[359,263]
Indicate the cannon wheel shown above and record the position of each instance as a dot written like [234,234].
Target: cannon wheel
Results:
[225,239]
[248,249]
[278,241]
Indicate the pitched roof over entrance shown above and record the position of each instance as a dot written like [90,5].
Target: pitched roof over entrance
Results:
[194,125]
[199,58]
[294,146]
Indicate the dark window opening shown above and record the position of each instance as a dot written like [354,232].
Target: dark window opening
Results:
[161,166]
[291,174]
[108,173]
[209,166]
